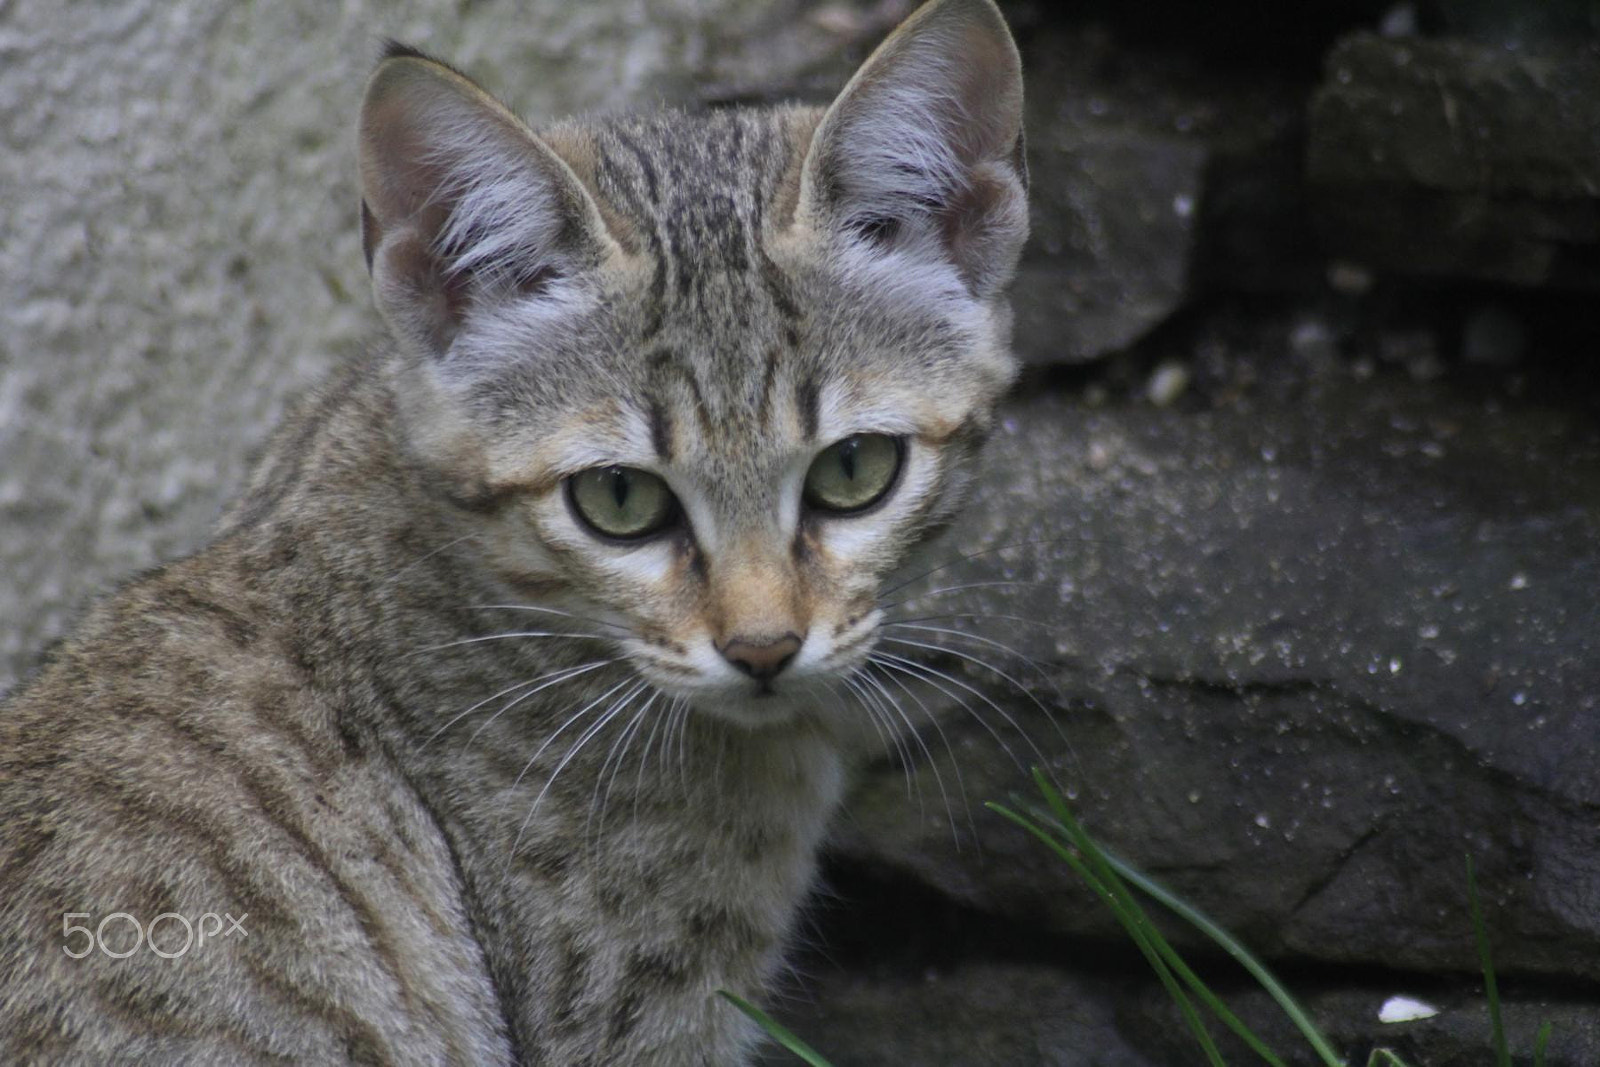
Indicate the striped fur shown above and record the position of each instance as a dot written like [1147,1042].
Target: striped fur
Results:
[479,782]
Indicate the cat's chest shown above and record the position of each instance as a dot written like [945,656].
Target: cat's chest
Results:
[621,915]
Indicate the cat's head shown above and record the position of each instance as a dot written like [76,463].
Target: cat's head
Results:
[716,374]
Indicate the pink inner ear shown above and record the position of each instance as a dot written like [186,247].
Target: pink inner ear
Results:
[984,226]
[987,104]
[420,300]
[399,168]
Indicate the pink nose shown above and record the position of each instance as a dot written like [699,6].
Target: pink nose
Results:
[761,660]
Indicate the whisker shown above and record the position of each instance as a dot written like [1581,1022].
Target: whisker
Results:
[684,723]
[968,556]
[574,717]
[564,672]
[955,762]
[928,676]
[644,755]
[942,590]
[503,637]
[980,694]
[621,743]
[427,556]
[666,737]
[889,700]
[721,760]
[546,611]
[1037,623]
[600,724]
[871,718]
[902,753]
[511,704]
[1029,661]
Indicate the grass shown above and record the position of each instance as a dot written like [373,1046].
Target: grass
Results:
[776,1030]
[1110,877]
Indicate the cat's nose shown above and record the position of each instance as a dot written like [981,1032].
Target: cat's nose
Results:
[761,660]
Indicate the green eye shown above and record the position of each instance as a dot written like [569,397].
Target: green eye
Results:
[853,473]
[622,502]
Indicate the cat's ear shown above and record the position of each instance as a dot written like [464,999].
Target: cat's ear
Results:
[924,147]
[461,201]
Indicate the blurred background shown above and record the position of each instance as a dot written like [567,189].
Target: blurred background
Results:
[1303,481]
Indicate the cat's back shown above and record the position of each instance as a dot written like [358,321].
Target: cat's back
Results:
[199,861]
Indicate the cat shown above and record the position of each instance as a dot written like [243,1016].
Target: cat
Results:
[503,717]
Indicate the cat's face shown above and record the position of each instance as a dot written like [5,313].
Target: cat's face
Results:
[721,372]
[732,497]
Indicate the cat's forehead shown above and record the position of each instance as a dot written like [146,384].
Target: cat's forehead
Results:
[728,349]
[698,186]
[698,197]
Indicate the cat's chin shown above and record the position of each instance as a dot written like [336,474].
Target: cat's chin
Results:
[753,711]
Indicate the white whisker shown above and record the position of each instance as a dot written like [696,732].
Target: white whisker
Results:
[574,717]
[644,755]
[955,762]
[395,577]
[947,589]
[547,611]
[986,665]
[504,637]
[877,713]
[1038,623]
[871,718]
[619,753]
[577,746]
[929,675]
[564,672]
[953,680]
[967,557]
[888,699]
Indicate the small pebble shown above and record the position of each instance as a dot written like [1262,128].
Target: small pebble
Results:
[1167,384]
[1405,1010]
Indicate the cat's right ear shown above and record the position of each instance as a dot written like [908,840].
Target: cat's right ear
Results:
[460,201]
[922,153]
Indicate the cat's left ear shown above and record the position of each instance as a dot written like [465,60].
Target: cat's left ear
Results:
[923,150]
[461,203]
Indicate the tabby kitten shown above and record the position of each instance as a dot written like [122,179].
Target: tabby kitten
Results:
[502,718]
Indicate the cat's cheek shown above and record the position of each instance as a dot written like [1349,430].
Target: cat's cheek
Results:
[516,555]
[839,645]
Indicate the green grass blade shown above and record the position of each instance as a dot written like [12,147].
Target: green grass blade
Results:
[1539,1044]
[1206,925]
[1116,891]
[1229,944]
[1214,1002]
[1129,923]
[1502,1055]
[779,1033]
[1382,1057]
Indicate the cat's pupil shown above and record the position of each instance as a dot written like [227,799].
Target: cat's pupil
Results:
[847,457]
[619,488]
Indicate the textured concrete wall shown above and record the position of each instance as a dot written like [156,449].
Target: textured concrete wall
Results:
[178,245]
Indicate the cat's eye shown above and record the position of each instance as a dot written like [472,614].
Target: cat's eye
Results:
[853,474]
[622,502]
